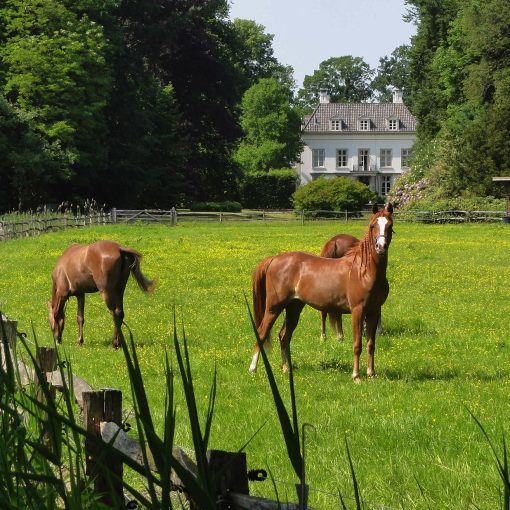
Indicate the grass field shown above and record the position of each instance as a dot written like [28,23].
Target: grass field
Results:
[446,351]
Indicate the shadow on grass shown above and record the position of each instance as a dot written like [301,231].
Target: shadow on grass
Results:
[407,328]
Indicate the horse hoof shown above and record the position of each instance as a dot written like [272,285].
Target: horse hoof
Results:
[323,338]
[340,338]
[356,379]
[252,370]
[285,369]
[371,375]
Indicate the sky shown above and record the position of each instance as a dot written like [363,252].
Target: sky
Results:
[307,32]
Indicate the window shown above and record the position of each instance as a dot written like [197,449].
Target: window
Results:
[318,158]
[363,160]
[364,125]
[385,184]
[393,124]
[336,125]
[341,158]
[405,154]
[385,157]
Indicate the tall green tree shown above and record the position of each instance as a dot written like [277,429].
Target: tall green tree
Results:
[29,165]
[347,80]
[392,74]
[56,68]
[254,55]
[271,128]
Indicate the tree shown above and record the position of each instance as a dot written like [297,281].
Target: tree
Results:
[392,73]
[56,69]
[29,166]
[254,55]
[271,126]
[347,80]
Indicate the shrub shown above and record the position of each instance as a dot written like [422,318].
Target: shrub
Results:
[269,190]
[226,206]
[336,194]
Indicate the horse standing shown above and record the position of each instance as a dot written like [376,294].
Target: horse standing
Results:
[355,284]
[103,266]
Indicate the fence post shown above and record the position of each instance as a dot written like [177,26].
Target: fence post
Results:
[46,359]
[98,406]
[231,474]
[113,215]
[10,328]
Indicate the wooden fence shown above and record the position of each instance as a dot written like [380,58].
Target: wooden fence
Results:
[34,225]
[102,417]
[38,224]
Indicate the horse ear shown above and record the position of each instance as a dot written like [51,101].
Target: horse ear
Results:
[389,207]
[375,208]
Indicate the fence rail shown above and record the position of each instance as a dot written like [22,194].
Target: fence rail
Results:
[36,224]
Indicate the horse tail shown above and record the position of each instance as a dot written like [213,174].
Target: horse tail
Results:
[133,257]
[259,290]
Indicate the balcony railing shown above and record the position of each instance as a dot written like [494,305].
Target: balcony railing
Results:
[364,168]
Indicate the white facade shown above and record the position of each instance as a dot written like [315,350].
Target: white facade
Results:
[338,141]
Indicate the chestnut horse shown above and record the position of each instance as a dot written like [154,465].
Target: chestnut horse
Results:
[103,266]
[355,284]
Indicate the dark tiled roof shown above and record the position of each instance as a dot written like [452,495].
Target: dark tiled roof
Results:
[350,113]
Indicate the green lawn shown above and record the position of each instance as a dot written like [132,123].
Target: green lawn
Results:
[446,350]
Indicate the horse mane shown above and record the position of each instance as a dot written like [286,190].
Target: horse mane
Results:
[362,249]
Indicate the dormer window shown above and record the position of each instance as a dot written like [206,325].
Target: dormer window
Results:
[393,124]
[336,125]
[364,125]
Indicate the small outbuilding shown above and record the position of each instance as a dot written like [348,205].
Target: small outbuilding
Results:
[506,183]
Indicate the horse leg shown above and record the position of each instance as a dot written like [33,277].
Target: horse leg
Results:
[292,312]
[80,316]
[372,322]
[357,327]
[380,329]
[339,328]
[323,325]
[263,330]
[115,305]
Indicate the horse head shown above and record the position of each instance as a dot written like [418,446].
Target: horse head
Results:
[56,319]
[381,228]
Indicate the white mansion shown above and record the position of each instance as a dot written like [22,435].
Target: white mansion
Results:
[370,142]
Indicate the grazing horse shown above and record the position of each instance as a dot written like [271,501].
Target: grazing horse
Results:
[103,266]
[355,284]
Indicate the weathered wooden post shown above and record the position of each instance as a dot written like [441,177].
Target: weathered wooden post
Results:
[506,182]
[230,474]
[113,215]
[46,359]
[10,328]
[173,215]
[103,406]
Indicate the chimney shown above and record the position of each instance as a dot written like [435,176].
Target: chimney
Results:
[397,96]
[323,96]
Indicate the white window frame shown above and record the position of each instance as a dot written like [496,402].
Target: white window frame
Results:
[386,158]
[336,125]
[364,124]
[385,184]
[318,158]
[405,154]
[342,158]
[393,124]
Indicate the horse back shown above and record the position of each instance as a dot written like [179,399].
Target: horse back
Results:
[338,246]
[317,281]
